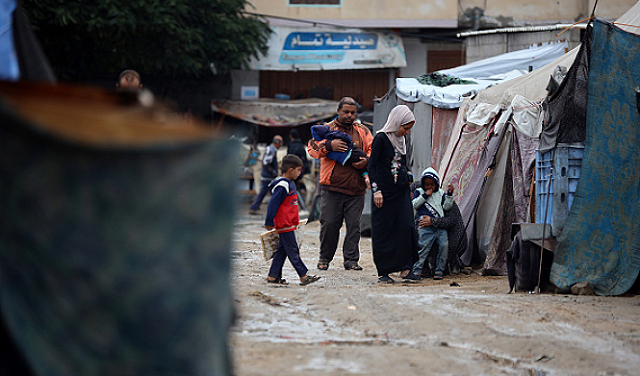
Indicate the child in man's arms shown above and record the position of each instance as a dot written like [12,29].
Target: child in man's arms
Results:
[346,158]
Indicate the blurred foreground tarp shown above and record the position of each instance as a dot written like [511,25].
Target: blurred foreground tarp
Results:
[115,234]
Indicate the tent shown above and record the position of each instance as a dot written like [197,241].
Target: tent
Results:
[600,242]
[491,161]
[501,122]
[436,108]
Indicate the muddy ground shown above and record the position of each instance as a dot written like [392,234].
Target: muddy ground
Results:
[348,324]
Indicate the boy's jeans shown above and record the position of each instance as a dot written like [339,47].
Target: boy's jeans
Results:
[427,236]
[287,248]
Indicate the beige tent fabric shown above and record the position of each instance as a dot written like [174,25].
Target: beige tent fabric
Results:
[631,17]
[531,86]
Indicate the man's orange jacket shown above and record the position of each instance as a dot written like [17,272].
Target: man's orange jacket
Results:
[339,178]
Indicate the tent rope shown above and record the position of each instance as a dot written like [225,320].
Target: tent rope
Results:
[574,24]
[534,105]
[623,24]
[593,12]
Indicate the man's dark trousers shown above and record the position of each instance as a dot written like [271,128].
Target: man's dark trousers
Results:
[336,207]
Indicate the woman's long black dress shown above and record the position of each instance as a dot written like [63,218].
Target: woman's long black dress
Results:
[393,231]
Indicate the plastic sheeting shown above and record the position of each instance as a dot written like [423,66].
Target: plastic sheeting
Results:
[485,73]
[9,69]
[525,60]
[600,242]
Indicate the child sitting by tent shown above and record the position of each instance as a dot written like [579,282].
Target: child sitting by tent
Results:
[431,201]
[346,158]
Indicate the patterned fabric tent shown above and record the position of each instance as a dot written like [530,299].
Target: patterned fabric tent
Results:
[600,242]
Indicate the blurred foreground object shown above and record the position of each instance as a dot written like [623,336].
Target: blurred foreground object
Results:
[115,232]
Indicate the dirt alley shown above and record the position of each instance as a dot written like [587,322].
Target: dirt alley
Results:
[348,324]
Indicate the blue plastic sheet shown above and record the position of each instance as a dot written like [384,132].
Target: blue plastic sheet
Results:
[9,69]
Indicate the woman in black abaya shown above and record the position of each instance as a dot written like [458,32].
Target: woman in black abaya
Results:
[393,231]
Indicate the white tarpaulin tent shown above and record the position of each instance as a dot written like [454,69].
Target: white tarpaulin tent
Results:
[485,73]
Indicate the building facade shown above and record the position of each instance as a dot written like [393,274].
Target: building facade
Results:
[430,35]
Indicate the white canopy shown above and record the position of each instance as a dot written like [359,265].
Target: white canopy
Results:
[485,73]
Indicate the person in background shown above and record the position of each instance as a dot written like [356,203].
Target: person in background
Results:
[282,214]
[342,188]
[296,147]
[129,80]
[393,232]
[268,173]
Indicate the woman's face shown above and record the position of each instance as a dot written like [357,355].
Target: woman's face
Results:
[405,129]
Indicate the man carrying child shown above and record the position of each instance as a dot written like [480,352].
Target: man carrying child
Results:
[342,188]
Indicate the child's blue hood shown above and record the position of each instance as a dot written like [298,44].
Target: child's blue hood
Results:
[319,131]
[430,172]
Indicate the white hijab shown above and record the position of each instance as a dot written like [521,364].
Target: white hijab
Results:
[399,116]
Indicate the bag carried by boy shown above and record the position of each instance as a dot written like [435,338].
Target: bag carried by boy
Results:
[270,240]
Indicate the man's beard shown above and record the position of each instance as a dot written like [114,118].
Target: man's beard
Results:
[346,125]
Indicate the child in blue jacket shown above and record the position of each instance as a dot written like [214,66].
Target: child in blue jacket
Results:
[346,158]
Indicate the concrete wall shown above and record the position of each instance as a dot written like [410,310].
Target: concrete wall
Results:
[442,13]
[416,53]
[486,46]
[502,13]
[367,13]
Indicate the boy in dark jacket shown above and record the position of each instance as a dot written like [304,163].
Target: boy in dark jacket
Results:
[282,214]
